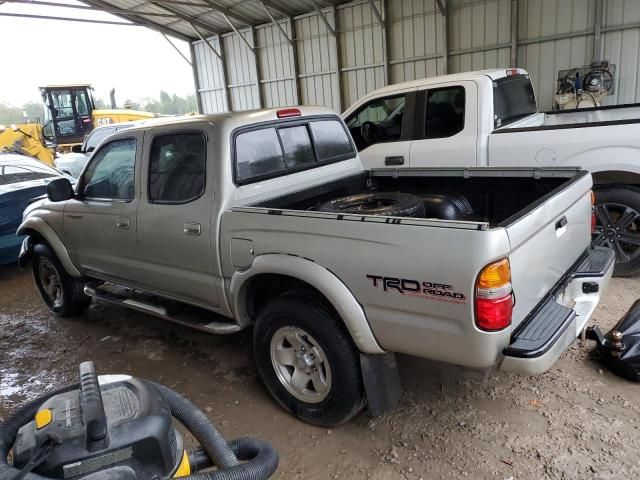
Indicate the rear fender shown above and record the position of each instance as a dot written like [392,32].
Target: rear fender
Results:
[336,293]
[39,226]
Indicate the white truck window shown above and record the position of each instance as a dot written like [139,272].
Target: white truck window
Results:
[378,121]
[109,176]
[177,168]
[297,146]
[331,140]
[445,112]
[513,99]
[258,153]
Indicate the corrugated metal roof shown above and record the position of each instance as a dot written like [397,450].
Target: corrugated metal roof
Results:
[207,16]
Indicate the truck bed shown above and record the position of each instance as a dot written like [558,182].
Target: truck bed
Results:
[496,197]
[582,118]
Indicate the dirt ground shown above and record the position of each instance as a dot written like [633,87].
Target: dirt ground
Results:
[577,421]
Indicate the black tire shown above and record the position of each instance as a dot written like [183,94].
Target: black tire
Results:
[618,226]
[390,204]
[64,295]
[345,396]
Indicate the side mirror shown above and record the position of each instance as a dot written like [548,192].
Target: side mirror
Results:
[59,190]
[76,149]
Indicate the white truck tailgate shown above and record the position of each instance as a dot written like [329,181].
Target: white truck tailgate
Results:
[547,241]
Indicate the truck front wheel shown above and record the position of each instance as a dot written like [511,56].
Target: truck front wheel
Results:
[618,226]
[307,360]
[62,293]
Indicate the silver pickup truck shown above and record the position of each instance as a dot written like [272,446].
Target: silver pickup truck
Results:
[267,219]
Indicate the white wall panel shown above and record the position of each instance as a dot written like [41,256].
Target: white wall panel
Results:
[361,50]
[317,61]
[210,77]
[622,48]
[241,68]
[479,35]
[276,65]
[416,40]
[335,71]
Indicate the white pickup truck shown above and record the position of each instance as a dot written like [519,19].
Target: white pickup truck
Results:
[267,219]
[490,118]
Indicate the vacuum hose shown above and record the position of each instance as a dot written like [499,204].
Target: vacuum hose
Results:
[260,459]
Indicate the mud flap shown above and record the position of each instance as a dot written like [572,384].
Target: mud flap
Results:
[26,250]
[620,347]
[381,382]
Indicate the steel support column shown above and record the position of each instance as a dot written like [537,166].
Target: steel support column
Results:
[597,33]
[514,33]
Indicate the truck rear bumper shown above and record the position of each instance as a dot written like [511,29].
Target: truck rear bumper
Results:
[561,316]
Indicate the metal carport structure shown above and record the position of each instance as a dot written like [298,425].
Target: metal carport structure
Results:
[261,53]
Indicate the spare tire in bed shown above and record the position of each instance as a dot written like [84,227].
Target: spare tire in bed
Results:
[390,204]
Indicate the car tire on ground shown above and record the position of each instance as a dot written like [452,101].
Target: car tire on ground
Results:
[307,360]
[62,293]
[617,211]
[391,204]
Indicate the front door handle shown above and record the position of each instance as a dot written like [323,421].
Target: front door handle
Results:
[192,228]
[394,160]
[123,223]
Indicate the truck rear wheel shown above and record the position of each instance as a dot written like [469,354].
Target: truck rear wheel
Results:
[62,293]
[307,361]
[618,226]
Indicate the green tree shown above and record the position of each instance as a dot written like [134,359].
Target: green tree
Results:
[10,114]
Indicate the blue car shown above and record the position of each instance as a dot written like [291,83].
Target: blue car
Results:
[21,179]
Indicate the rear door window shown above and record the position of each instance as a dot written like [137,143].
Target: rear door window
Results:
[445,112]
[177,168]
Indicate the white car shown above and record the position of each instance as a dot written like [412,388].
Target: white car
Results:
[73,163]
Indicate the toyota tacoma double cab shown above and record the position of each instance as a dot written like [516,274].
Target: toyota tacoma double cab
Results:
[267,219]
[491,118]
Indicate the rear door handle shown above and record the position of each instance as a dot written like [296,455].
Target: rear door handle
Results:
[192,228]
[394,160]
[75,217]
[123,223]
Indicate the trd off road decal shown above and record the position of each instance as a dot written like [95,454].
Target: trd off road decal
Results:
[430,290]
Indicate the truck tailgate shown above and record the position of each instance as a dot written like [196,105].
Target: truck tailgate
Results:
[547,240]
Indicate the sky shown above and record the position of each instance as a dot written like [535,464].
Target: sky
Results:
[136,61]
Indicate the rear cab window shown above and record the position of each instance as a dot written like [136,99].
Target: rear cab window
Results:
[513,99]
[276,149]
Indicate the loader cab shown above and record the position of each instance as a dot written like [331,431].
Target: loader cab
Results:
[68,113]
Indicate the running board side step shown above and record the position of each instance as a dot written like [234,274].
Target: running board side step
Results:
[194,318]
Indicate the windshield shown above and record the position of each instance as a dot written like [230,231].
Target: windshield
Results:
[24,173]
[513,99]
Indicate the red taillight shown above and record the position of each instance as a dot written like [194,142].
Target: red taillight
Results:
[494,315]
[288,112]
[494,296]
